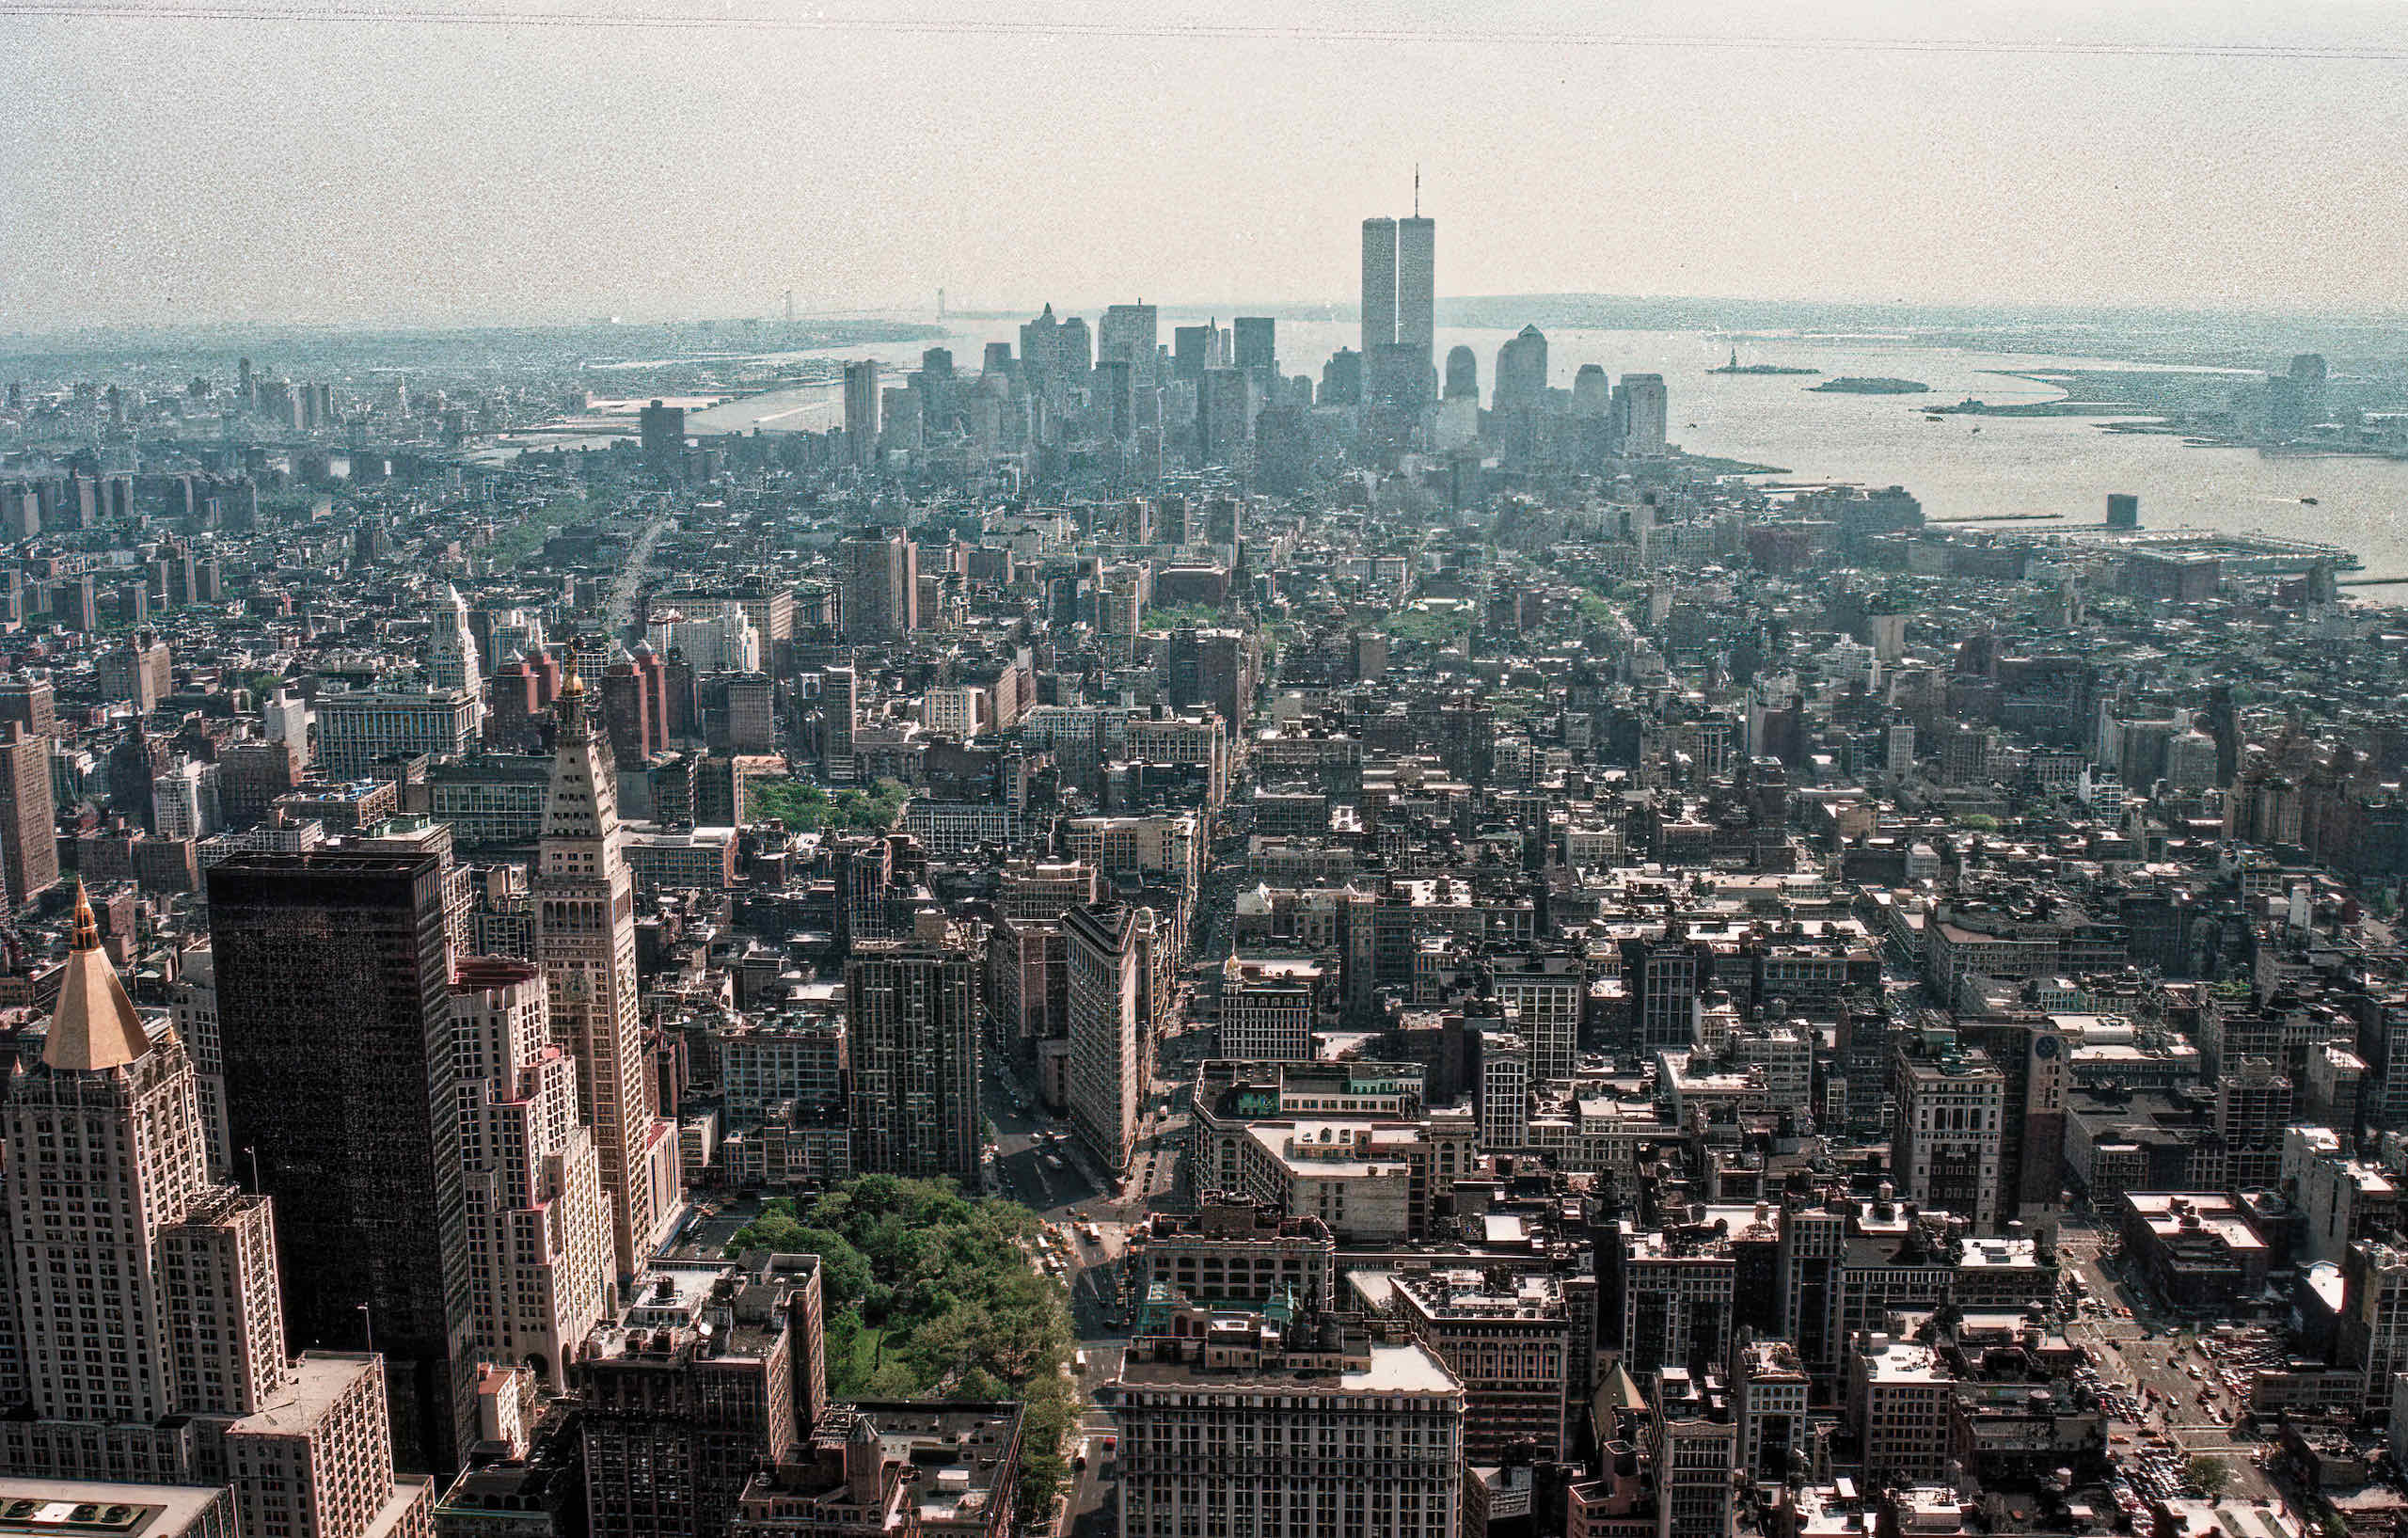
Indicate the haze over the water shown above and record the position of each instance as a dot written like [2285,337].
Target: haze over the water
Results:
[162,171]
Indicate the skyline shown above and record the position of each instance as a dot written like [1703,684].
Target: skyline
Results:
[368,178]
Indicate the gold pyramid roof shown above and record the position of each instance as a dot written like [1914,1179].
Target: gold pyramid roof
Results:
[94,1026]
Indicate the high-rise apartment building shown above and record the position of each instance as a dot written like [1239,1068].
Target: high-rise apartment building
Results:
[148,1331]
[585,939]
[192,1009]
[2036,1064]
[1665,976]
[911,1020]
[334,972]
[1300,1429]
[2374,1315]
[2253,1105]
[1220,668]
[1668,1297]
[139,671]
[185,802]
[540,1260]
[285,717]
[1769,1391]
[28,841]
[1898,1403]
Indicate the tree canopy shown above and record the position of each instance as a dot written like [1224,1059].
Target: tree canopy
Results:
[930,1294]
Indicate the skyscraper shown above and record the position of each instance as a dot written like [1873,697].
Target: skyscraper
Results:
[660,433]
[334,1024]
[1128,334]
[538,1224]
[1191,353]
[1257,348]
[585,938]
[1379,284]
[1521,372]
[147,1332]
[861,410]
[108,1117]
[1417,277]
[1463,374]
[839,701]
[1226,408]
[1643,412]
[881,576]
[1107,950]
[29,844]
[451,661]
[911,1023]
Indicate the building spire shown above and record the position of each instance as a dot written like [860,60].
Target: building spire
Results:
[94,1027]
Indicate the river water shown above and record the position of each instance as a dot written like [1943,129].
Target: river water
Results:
[2057,466]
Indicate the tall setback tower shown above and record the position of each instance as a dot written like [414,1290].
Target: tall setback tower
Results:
[585,940]
[108,1117]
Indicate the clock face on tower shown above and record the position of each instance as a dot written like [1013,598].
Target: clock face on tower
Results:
[2047,1048]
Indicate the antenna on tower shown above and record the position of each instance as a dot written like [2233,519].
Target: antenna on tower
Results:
[1417,189]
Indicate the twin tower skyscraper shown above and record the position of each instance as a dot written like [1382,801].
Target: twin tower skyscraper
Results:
[1399,283]
[1400,307]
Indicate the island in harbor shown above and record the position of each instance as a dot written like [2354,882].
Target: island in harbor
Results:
[1734,366]
[1853,385]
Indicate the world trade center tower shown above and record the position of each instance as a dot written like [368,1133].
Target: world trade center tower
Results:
[1417,302]
[1379,285]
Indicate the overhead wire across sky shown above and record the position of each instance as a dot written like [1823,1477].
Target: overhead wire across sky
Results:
[989,26]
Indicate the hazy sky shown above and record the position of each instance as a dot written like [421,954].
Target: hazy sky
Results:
[155,170]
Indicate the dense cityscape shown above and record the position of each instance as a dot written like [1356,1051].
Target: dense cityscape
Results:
[761,929]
